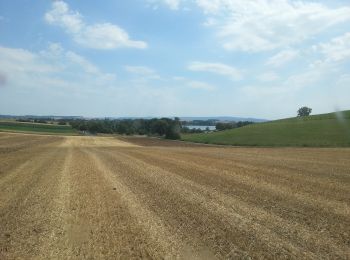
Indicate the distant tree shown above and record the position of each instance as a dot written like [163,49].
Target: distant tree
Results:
[244,123]
[173,129]
[224,126]
[170,128]
[159,126]
[304,111]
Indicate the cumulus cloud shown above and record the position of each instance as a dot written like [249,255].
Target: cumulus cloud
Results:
[200,85]
[172,4]
[264,25]
[216,68]
[81,61]
[54,49]
[268,76]
[14,61]
[255,25]
[52,67]
[282,57]
[337,49]
[59,81]
[95,36]
[142,72]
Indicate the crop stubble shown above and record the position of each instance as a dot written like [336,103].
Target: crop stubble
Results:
[100,197]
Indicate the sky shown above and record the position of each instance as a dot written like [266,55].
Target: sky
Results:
[246,58]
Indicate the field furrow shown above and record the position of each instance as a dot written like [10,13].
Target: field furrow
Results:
[105,198]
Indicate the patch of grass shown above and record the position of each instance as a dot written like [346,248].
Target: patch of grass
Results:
[36,128]
[326,130]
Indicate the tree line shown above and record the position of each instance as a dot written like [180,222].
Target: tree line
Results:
[231,125]
[165,127]
[169,128]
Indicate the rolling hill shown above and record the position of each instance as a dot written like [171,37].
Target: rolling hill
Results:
[324,130]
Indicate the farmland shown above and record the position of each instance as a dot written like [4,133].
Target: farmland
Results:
[325,130]
[64,197]
[13,126]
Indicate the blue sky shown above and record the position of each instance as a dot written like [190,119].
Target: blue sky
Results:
[253,58]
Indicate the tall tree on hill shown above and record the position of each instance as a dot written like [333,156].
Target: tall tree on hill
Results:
[304,111]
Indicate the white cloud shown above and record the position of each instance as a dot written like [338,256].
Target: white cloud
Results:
[305,79]
[210,22]
[15,61]
[260,92]
[142,72]
[54,49]
[107,36]
[52,82]
[261,25]
[82,62]
[172,4]
[211,6]
[344,81]
[50,68]
[282,57]
[314,78]
[63,58]
[200,85]
[217,68]
[264,25]
[61,15]
[178,78]
[96,36]
[337,49]
[268,76]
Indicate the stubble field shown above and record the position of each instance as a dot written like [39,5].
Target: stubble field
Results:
[107,198]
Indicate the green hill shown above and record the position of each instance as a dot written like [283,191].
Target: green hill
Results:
[331,129]
[12,126]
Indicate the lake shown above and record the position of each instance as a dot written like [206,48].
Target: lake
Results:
[201,127]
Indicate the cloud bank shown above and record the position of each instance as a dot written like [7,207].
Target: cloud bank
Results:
[104,36]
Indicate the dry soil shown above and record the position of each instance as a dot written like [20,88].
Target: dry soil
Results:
[109,198]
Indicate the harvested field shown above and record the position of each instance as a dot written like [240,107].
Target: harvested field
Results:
[107,198]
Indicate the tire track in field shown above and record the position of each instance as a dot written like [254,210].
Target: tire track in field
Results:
[315,240]
[278,199]
[17,182]
[96,221]
[273,169]
[249,191]
[197,208]
[56,243]
[309,164]
[27,218]
[9,161]
[248,176]
[16,144]
[99,198]
[164,243]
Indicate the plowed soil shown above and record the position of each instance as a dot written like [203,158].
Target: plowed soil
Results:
[108,198]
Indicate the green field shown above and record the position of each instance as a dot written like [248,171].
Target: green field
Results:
[36,128]
[325,130]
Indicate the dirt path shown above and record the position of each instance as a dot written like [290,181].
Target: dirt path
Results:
[103,198]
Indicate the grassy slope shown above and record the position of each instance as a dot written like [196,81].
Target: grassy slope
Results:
[37,128]
[319,130]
